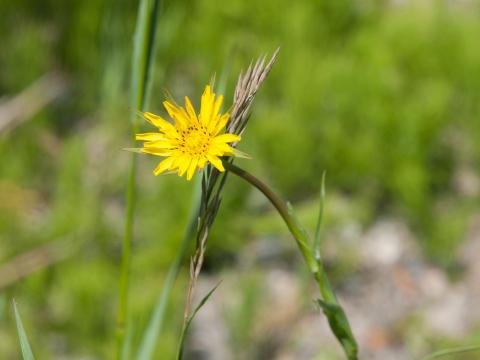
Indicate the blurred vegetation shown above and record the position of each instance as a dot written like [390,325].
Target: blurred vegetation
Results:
[383,97]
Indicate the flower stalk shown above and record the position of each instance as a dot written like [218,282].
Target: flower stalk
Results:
[337,318]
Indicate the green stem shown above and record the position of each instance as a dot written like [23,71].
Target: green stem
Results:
[336,316]
[299,235]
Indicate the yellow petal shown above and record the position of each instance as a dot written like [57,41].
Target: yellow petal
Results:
[150,136]
[226,138]
[217,106]
[216,162]
[220,149]
[211,125]
[177,113]
[156,151]
[206,107]
[183,165]
[176,160]
[163,165]
[221,123]
[190,109]
[161,144]
[202,162]
[158,121]
[191,168]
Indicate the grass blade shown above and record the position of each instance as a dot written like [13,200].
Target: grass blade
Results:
[452,351]
[143,53]
[186,326]
[318,229]
[22,335]
[151,334]
[127,344]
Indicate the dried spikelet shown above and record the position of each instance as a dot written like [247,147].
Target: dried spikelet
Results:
[212,180]
[247,86]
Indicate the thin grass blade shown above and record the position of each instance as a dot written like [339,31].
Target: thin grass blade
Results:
[190,319]
[27,353]
[452,351]
[143,51]
[318,229]
[127,344]
[143,54]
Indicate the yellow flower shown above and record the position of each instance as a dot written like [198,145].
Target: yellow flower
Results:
[192,141]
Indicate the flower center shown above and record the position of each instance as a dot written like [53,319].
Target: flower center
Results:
[195,140]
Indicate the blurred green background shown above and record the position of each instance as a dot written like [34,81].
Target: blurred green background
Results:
[382,95]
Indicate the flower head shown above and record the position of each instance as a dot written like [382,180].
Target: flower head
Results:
[193,140]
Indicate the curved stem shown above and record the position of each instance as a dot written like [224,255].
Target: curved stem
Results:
[298,233]
[336,316]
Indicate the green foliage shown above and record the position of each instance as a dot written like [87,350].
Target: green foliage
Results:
[22,335]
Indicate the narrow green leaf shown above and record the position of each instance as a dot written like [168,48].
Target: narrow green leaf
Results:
[143,51]
[451,351]
[190,319]
[127,343]
[318,229]
[142,59]
[22,335]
